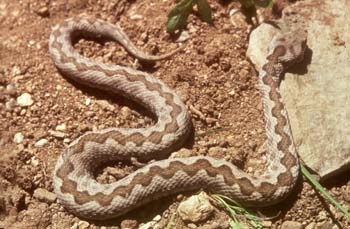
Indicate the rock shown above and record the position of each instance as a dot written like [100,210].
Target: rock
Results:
[149,225]
[238,19]
[125,112]
[57,134]
[129,224]
[217,152]
[41,143]
[61,127]
[192,226]
[10,105]
[11,90]
[25,100]
[83,225]
[267,224]
[43,11]
[44,195]
[311,225]
[184,36]
[87,101]
[18,138]
[291,225]
[182,153]
[105,105]
[325,225]
[316,99]
[157,218]
[196,208]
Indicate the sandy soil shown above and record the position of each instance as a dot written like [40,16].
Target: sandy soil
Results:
[212,75]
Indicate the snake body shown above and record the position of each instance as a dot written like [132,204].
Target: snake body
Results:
[73,177]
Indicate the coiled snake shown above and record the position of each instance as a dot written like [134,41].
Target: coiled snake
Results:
[73,178]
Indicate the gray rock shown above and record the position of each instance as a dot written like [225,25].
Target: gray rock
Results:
[44,195]
[25,100]
[196,208]
[316,99]
[291,225]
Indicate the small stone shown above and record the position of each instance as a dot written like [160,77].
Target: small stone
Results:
[136,17]
[291,225]
[34,161]
[125,112]
[41,143]
[25,100]
[129,224]
[217,152]
[105,105]
[267,224]
[157,218]
[149,225]
[83,225]
[311,226]
[87,101]
[61,127]
[322,216]
[182,153]
[238,19]
[232,92]
[44,195]
[11,89]
[43,11]
[18,138]
[10,105]
[325,225]
[184,36]
[196,208]
[57,134]
[192,226]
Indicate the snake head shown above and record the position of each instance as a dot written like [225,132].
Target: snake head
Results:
[288,48]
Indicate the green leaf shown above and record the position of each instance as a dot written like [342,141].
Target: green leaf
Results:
[177,17]
[263,3]
[235,225]
[247,3]
[318,186]
[204,11]
[180,7]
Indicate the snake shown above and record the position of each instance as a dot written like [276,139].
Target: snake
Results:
[74,180]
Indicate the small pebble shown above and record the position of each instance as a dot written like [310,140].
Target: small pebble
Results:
[11,89]
[57,134]
[44,195]
[83,225]
[41,143]
[87,101]
[25,100]
[291,225]
[196,208]
[61,127]
[18,138]
[184,36]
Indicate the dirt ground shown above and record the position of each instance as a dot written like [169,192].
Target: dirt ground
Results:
[212,75]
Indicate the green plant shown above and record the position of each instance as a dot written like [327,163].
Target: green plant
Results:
[320,188]
[234,209]
[178,15]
